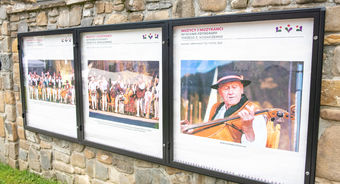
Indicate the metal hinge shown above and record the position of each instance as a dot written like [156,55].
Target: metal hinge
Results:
[75,44]
[80,127]
[166,42]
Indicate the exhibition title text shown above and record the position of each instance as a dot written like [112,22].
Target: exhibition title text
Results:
[205,33]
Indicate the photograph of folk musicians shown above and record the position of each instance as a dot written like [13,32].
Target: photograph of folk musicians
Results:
[249,129]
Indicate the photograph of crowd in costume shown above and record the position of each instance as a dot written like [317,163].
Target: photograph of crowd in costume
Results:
[51,81]
[125,91]
[254,103]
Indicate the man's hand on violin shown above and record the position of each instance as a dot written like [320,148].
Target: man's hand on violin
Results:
[247,116]
[184,125]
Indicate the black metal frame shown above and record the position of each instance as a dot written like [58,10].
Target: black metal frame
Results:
[167,61]
[318,14]
[130,26]
[23,97]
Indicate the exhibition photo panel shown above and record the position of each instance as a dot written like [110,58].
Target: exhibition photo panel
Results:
[273,90]
[49,83]
[241,97]
[122,89]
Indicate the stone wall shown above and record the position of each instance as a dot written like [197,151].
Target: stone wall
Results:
[74,163]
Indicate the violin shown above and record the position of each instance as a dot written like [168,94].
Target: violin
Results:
[229,129]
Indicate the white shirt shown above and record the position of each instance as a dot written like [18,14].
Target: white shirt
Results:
[93,85]
[103,87]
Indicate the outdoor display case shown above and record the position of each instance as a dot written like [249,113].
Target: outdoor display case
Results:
[123,82]
[246,92]
[232,96]
[48,83]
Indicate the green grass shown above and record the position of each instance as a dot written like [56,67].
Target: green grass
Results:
[14,176]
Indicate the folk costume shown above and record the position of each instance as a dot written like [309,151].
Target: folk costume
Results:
[156,101]
[140,92]
[93,94]
[232,130]
[103,89]
[30,84]
[112,93]
[147,103]
[228,133]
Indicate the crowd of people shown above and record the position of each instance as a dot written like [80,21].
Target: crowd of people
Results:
[139,99]
[51,88]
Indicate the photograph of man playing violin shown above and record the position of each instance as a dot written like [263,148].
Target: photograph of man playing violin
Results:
[248,102]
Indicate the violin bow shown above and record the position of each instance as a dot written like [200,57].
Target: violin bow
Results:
[217,122]
[271,113]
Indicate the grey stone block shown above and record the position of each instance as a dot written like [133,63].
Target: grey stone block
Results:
[125,165]
[33,154]
[145,176]
[32,137]
[45,159]
[51,26]
[62,146]
[22,27]
[101,172]
[8,81]
[61,157]
[90,168]
[23,155]
[6,63]
[64,178]
[45,138]
[86,22]
[158,6]
[3,13]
